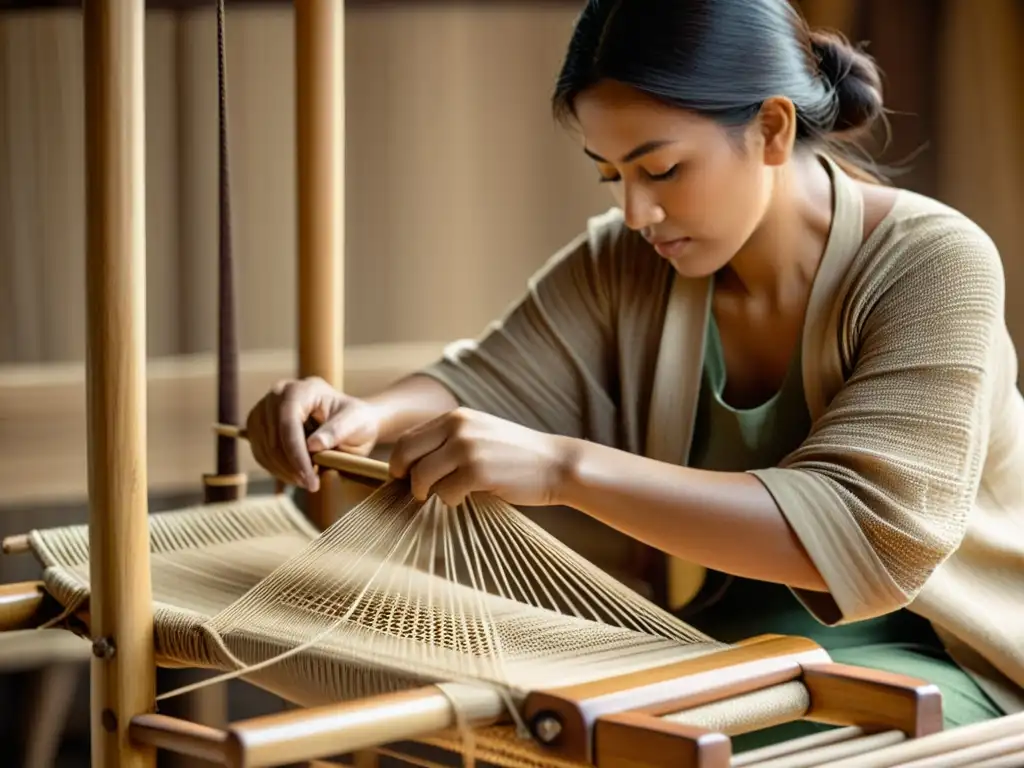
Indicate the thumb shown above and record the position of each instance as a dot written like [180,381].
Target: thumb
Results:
[348,428]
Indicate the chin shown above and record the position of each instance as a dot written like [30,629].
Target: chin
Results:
[694,270]
[695,262]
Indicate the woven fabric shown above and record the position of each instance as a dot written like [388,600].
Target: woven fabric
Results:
[395,595]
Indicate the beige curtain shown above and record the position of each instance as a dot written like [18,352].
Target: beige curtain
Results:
[979,120]
[955,85]
[460,184]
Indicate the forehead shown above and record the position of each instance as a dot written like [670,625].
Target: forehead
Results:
[614,118]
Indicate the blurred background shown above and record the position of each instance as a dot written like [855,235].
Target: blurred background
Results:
[459,186]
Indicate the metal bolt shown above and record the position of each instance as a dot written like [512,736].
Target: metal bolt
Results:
[547,729]
[103,648]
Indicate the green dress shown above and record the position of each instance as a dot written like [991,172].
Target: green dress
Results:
[732,440]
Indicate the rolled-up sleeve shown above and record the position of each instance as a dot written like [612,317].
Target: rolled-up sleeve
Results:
[880,493]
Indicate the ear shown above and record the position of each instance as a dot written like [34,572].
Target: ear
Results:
[777,126]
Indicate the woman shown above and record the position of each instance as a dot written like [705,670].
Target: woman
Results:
[761,361]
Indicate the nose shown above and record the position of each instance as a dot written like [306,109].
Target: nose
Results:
[640,208]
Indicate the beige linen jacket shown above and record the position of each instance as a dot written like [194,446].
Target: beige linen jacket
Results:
[909,489]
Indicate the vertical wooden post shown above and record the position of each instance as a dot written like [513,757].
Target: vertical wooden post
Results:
[320,117]
[123,667]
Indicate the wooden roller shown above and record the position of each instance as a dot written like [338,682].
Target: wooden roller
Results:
[611,723]
[21,605]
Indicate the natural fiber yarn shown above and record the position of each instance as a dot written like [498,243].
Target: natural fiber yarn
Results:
[397,594]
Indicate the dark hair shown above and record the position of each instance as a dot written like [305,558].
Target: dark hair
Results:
[723,59]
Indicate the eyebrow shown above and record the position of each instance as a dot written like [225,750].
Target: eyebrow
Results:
[637,152]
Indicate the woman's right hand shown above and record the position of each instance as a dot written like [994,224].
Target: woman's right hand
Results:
[276,428]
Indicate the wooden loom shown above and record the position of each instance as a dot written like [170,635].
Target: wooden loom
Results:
[611,723]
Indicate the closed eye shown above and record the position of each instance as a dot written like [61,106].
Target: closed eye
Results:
[669,174]
[664,176]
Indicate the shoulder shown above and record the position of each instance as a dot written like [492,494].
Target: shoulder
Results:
[927,254]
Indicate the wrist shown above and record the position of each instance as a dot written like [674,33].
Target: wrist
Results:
[383,414]
[569,456]
[407,404]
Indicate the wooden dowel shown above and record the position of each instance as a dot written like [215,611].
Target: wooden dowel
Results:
[345,463]
[124,680]
[942,743]
[20,604]
[971,756]
[182,737]
[336,729]
[1008,760]
[324,731]
[16,545]
[320,143]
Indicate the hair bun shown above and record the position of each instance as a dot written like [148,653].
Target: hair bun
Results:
[855,78]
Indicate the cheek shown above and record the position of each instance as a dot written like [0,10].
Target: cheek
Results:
[721,199]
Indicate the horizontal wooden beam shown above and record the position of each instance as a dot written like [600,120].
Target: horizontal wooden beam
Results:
[43,416]
[317,732]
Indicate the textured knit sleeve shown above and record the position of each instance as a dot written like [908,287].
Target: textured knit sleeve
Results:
[549,362]
[881,491]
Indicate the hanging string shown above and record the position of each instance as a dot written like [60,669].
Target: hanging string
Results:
[227,333]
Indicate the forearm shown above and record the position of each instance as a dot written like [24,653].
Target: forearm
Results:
[724,521]
[409,402]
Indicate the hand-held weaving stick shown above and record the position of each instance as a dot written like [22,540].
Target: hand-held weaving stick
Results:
[345,463]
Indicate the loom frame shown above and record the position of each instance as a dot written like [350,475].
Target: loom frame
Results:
[125,731]
[123,668]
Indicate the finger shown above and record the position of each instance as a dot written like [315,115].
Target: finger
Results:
[453,489]
[324,400]
[262,436]
[292,441]
[432,469]
[275,459]
[281,385]
[414,445]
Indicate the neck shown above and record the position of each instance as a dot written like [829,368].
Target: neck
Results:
[778,263]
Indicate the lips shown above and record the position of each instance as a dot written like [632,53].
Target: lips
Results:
[669,249]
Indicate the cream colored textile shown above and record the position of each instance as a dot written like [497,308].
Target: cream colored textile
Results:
[909,490]
[399,594]
[395,594]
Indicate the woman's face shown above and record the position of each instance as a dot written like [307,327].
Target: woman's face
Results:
[692,190]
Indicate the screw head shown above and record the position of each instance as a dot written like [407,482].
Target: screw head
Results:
[103,648]
[547,729]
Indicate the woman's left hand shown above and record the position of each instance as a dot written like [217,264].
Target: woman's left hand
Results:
[465,451]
